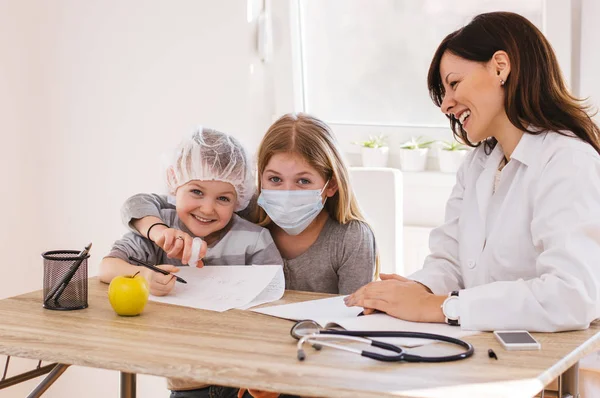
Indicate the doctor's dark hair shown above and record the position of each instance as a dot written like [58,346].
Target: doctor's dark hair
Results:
[535,92]
[311,138]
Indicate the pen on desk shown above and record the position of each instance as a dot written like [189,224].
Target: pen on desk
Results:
[362,313]
[155,268]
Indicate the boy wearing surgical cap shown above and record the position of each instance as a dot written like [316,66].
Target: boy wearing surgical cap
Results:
[210,178]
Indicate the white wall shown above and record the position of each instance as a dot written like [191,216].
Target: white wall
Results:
[20,236]
[91,93]
[19,76]
[589,62]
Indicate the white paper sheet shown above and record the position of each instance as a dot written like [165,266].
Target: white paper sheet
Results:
[220,288]
[333,311]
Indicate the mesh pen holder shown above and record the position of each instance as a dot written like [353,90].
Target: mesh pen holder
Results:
[65,280]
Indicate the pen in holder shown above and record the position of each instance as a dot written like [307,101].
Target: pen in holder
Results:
[65,279]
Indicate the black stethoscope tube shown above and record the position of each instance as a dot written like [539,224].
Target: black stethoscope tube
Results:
[404,356]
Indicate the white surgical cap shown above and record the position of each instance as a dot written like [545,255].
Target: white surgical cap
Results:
[211,155]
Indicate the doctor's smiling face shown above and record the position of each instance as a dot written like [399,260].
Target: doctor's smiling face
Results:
[473,92]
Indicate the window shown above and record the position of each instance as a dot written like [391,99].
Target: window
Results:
[367,63]
[362,65]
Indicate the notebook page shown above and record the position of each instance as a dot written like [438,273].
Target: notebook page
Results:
[321,311]
[220,288]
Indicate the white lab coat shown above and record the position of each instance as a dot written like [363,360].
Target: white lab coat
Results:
[527,257]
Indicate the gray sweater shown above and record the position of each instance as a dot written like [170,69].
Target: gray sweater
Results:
[341,260]
[241,242]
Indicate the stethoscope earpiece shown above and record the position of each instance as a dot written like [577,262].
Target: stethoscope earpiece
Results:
[301,355]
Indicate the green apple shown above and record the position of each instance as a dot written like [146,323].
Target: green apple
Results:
[128,295]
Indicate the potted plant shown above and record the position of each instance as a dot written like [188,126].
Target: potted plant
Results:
[374,151]
[451,156]
[413,154]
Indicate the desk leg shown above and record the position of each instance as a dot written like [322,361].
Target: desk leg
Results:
[32,374]
[48,380]
[128,385]
[569,382]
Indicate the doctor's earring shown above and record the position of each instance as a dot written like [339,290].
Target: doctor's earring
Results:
[502,81]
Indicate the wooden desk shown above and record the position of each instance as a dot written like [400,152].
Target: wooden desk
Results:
[241,348]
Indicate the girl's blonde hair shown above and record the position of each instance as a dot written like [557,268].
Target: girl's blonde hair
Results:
[311,138]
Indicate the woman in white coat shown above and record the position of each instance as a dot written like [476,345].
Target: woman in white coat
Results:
[520,247]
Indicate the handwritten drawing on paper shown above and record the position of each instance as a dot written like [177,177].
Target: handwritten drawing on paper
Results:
[220,288]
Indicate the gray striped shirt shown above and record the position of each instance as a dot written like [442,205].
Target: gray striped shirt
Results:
[241,242]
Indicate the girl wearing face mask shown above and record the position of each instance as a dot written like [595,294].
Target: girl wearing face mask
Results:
[307,204]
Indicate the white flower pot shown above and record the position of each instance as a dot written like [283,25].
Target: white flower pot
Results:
[375,157]
[413,159]
[450,161]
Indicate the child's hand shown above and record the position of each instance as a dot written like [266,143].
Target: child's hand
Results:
[258,393]
[172,241]
[160,285]
[178,244]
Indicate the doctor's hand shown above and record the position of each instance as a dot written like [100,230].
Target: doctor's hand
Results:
[177,244]
[399,297]
[160,285]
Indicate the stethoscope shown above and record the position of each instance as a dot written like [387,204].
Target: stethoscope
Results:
[308,331]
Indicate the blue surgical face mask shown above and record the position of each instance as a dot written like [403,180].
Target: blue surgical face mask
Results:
[292,211]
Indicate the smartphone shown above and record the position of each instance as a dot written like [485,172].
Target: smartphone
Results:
[517,340]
